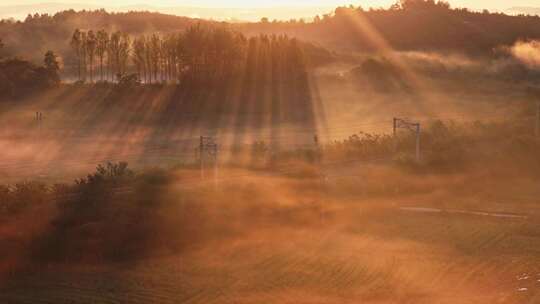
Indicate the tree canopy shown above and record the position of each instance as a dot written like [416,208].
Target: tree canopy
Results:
[207,53]
[20,77]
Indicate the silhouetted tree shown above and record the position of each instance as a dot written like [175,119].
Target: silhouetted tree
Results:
[123,54]
[84,53]
[423,4]
[139,45]
[148,59]
[155,54]
[102,39]
[52,66]
[76,44]
[114,53]
[91,43]
[209,54]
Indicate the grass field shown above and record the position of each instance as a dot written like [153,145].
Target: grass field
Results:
[462,227]
[278,239]
[84,125]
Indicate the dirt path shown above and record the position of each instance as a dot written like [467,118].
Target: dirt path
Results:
[468,212]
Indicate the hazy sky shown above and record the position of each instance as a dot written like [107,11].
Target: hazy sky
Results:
[491,4]
[238,9]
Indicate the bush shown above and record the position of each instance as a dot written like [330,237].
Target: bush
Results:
[113,208]
[21,196]
[363,145]
[19,78]
[128,81]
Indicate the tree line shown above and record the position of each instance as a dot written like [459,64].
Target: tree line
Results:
[425,25]
[19,77]
[406,25]
[199,52]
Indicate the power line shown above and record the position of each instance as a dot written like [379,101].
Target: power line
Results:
[157,151]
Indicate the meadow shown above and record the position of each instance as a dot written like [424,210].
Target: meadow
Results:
[384,234]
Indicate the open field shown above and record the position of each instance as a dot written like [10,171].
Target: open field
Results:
[160,125]
[347,242]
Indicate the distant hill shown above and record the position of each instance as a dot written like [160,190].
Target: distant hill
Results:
[524,10]
[423,26]
[19,12]
[426,27]
[33,36]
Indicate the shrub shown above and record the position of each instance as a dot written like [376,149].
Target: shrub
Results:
[128,81]
[19,197]
[88,198]
[112,207]
[19,78]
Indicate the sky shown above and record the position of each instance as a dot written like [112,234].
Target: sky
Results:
[490,4]
[18,9]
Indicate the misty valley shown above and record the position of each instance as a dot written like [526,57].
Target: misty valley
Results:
[385,155]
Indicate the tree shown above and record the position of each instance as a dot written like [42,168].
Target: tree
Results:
[195,38]
[91,43]
[171,55]
[125,47]
[180,50]
[84,52]
[139,45]
[423,4]
[76,43]
[19,77]
[155,51]
[207,54]
[52,66]
[51,62]
[102,39]
[114,53]
[148,59]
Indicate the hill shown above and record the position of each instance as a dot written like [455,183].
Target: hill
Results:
[19,12]
[422,26]
[526,10]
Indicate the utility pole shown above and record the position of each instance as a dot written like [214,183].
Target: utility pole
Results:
[39,121]
[215,153]
[201,156]
[317,148]
[323,178]
[418,142]
[411,126]
[537,124]
[394,134]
